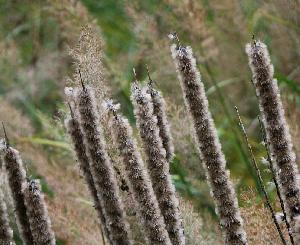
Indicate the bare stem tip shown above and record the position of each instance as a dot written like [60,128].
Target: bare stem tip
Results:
[253,40]
[81,81]
[174,37]
[134,75]
[151,82]
[5,135]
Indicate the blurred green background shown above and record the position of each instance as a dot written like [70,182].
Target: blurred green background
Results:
[35,37]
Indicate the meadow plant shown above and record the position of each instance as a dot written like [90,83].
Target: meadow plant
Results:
[275,177]
[16,177]
[101,167]
[74,130]
[277,131]
[209,145]
[159,110]
[138,179]
[158,166]
[36,209]
[6,233]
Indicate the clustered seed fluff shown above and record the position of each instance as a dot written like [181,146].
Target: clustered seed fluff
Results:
[101,167]
[36,209]
[209,146]
[6,233]
[159,110]
[277,130]
[16,177]
[157,164]
[73,127]
[139,182]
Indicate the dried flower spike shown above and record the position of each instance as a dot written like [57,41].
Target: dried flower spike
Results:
[277,131]
[159,110]
[73,128]
[101,167]
[16,177]
[6,233]
[209,145]
[138,180]
[39,220]
[157,164]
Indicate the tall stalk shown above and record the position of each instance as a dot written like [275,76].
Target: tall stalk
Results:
[159,110]
[277,131]
[73,128]
[158,165]
[36,209]
[16,177]
[6,233]
[101,167]
[138,179]
[209,145]
[275,177]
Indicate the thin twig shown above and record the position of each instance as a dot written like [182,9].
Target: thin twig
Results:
[259,176]
[274,176]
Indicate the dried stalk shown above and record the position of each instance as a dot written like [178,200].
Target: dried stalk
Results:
[73,128]
[138,180]
[277,131]
[16,177]
[101,167]
[36,209]
[159,110]
[6,233]
[274,177]
[158,166]
[209,145]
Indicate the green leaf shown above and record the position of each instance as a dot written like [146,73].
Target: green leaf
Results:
[41,141]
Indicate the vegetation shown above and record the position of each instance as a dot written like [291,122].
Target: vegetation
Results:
[49,45]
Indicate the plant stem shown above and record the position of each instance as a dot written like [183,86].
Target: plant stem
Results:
[267,199]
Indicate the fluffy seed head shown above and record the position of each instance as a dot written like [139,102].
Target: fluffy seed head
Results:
[39,220]
[209,145]
[277,130]
[138,179]
[158,165]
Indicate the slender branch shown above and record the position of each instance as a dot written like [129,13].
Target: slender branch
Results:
[267,199]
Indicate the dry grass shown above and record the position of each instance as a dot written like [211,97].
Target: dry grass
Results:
[258,222]
[197,231]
